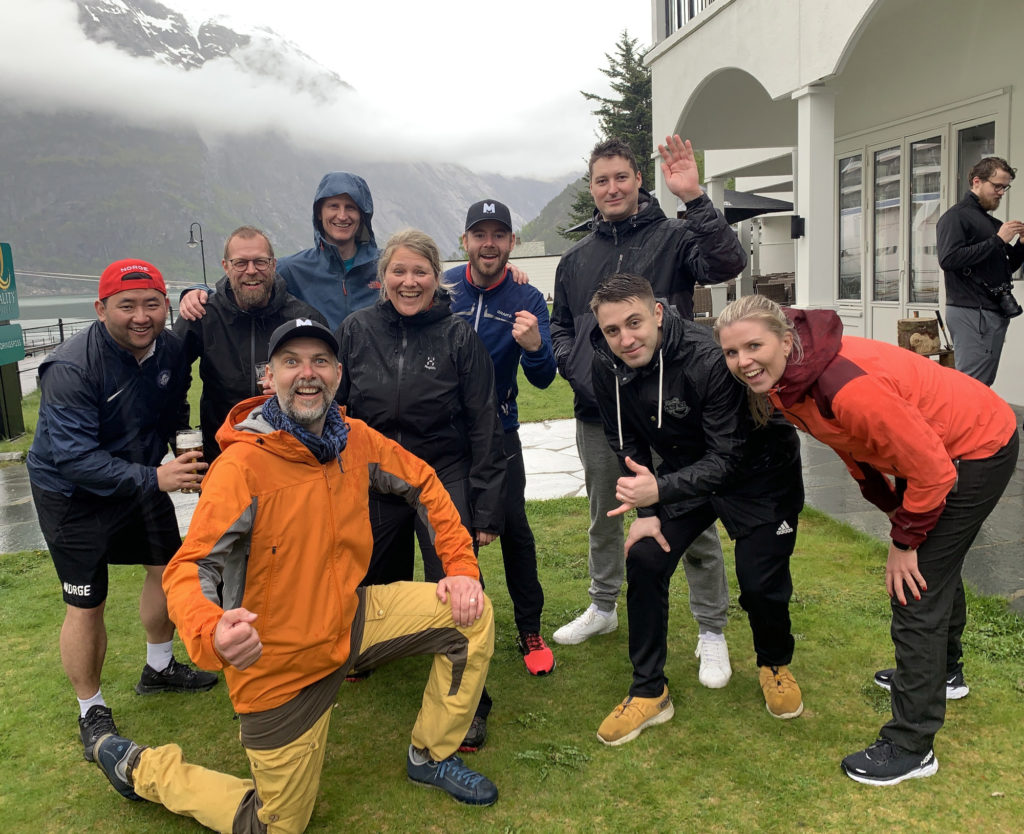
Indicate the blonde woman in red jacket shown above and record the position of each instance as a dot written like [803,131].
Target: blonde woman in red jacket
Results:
[929,446]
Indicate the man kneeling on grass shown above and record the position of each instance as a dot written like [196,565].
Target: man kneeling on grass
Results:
[662,386]
[265,587]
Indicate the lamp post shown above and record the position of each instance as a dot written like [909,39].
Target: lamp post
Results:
[202,251]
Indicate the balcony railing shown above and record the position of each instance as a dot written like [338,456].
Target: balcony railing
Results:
[679,12]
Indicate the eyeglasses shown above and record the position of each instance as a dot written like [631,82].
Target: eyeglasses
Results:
[242,264]
[999,188]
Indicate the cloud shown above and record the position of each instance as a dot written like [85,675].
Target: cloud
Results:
[47,63]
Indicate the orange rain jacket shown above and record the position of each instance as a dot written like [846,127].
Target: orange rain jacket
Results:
[887,410]
[290,540]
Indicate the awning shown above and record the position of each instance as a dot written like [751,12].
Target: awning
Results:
[739,206]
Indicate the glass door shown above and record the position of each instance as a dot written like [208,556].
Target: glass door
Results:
[925,203]
[887,207]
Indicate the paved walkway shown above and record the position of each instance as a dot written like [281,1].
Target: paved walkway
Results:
[995,564]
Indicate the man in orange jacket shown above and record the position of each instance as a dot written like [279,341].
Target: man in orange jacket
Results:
[258,591]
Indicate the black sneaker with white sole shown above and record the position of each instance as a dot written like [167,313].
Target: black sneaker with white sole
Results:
[96,723]
[177,677]
[885,763]
[955,686]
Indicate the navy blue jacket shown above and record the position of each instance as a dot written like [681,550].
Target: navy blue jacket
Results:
[491,312]
[318,275]
[105,421]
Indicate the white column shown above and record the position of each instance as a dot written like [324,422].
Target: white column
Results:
[745,280]
[716,192]
[815,199]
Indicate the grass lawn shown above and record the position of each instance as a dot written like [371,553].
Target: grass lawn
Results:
[723,764]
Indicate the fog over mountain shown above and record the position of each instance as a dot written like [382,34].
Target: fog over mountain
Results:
[150,121]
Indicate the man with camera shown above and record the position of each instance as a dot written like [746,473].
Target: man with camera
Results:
[978,255]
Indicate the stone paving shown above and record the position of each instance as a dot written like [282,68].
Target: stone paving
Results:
[995,564]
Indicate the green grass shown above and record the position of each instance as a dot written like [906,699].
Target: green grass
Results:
[723,764]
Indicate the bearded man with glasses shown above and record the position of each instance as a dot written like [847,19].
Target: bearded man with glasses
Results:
[230,341]
[978,255]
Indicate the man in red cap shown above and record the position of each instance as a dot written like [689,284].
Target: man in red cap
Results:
[111,399]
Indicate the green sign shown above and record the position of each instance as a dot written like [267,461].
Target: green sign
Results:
[8,289]
[12,344]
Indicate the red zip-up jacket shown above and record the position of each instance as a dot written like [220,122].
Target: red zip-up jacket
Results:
[885,409]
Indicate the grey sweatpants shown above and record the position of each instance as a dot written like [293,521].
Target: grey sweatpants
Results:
[702,562]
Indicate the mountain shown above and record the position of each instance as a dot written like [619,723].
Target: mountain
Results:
[79,188]
[554,216]
[149,29]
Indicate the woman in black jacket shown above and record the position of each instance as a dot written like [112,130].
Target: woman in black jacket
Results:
[422,377]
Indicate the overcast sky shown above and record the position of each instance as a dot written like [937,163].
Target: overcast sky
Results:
[493,86]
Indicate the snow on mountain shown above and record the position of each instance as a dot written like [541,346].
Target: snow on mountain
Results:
[149,29]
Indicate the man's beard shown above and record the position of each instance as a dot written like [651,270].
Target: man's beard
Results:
[253,298]
[306,415]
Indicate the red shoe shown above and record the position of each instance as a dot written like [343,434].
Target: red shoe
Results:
[536,655]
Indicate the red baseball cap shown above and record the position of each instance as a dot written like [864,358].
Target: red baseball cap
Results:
[130,274]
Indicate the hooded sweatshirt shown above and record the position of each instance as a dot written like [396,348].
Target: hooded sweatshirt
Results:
[318,275]
[686,406]
[889,411]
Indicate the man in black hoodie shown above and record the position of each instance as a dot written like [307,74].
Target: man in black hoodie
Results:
[630,233]
[231,339]
[663,386]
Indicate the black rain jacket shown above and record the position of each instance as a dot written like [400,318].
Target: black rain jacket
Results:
[970,251]
[427,382]
[686,406]
[229,343]
[672,254]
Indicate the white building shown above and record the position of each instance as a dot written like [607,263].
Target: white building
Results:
[870,112]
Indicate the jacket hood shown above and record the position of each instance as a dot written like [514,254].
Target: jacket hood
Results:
[648,210]
[821,336]
[245,424]
[341,182]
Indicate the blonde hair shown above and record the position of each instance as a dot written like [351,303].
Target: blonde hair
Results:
[765,311]
[415,241]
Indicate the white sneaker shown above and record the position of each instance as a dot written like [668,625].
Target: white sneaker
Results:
[715,670]
[591,622]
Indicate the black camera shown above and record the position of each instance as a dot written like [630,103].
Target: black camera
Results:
[1003,294]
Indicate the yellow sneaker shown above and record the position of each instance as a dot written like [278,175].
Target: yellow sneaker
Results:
[781,692]
[633,716]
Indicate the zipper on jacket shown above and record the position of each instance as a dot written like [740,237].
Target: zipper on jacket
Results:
[398,380]
[252,356]
[479,312]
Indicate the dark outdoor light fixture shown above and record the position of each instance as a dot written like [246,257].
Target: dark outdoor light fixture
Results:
[192,242]
[796,226]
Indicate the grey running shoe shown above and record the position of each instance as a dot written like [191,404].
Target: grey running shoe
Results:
[452,776]
[115,756]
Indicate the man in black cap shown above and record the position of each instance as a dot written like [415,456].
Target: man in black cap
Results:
[512,321]
[266,587]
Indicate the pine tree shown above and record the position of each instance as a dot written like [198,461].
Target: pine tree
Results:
[626,116]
